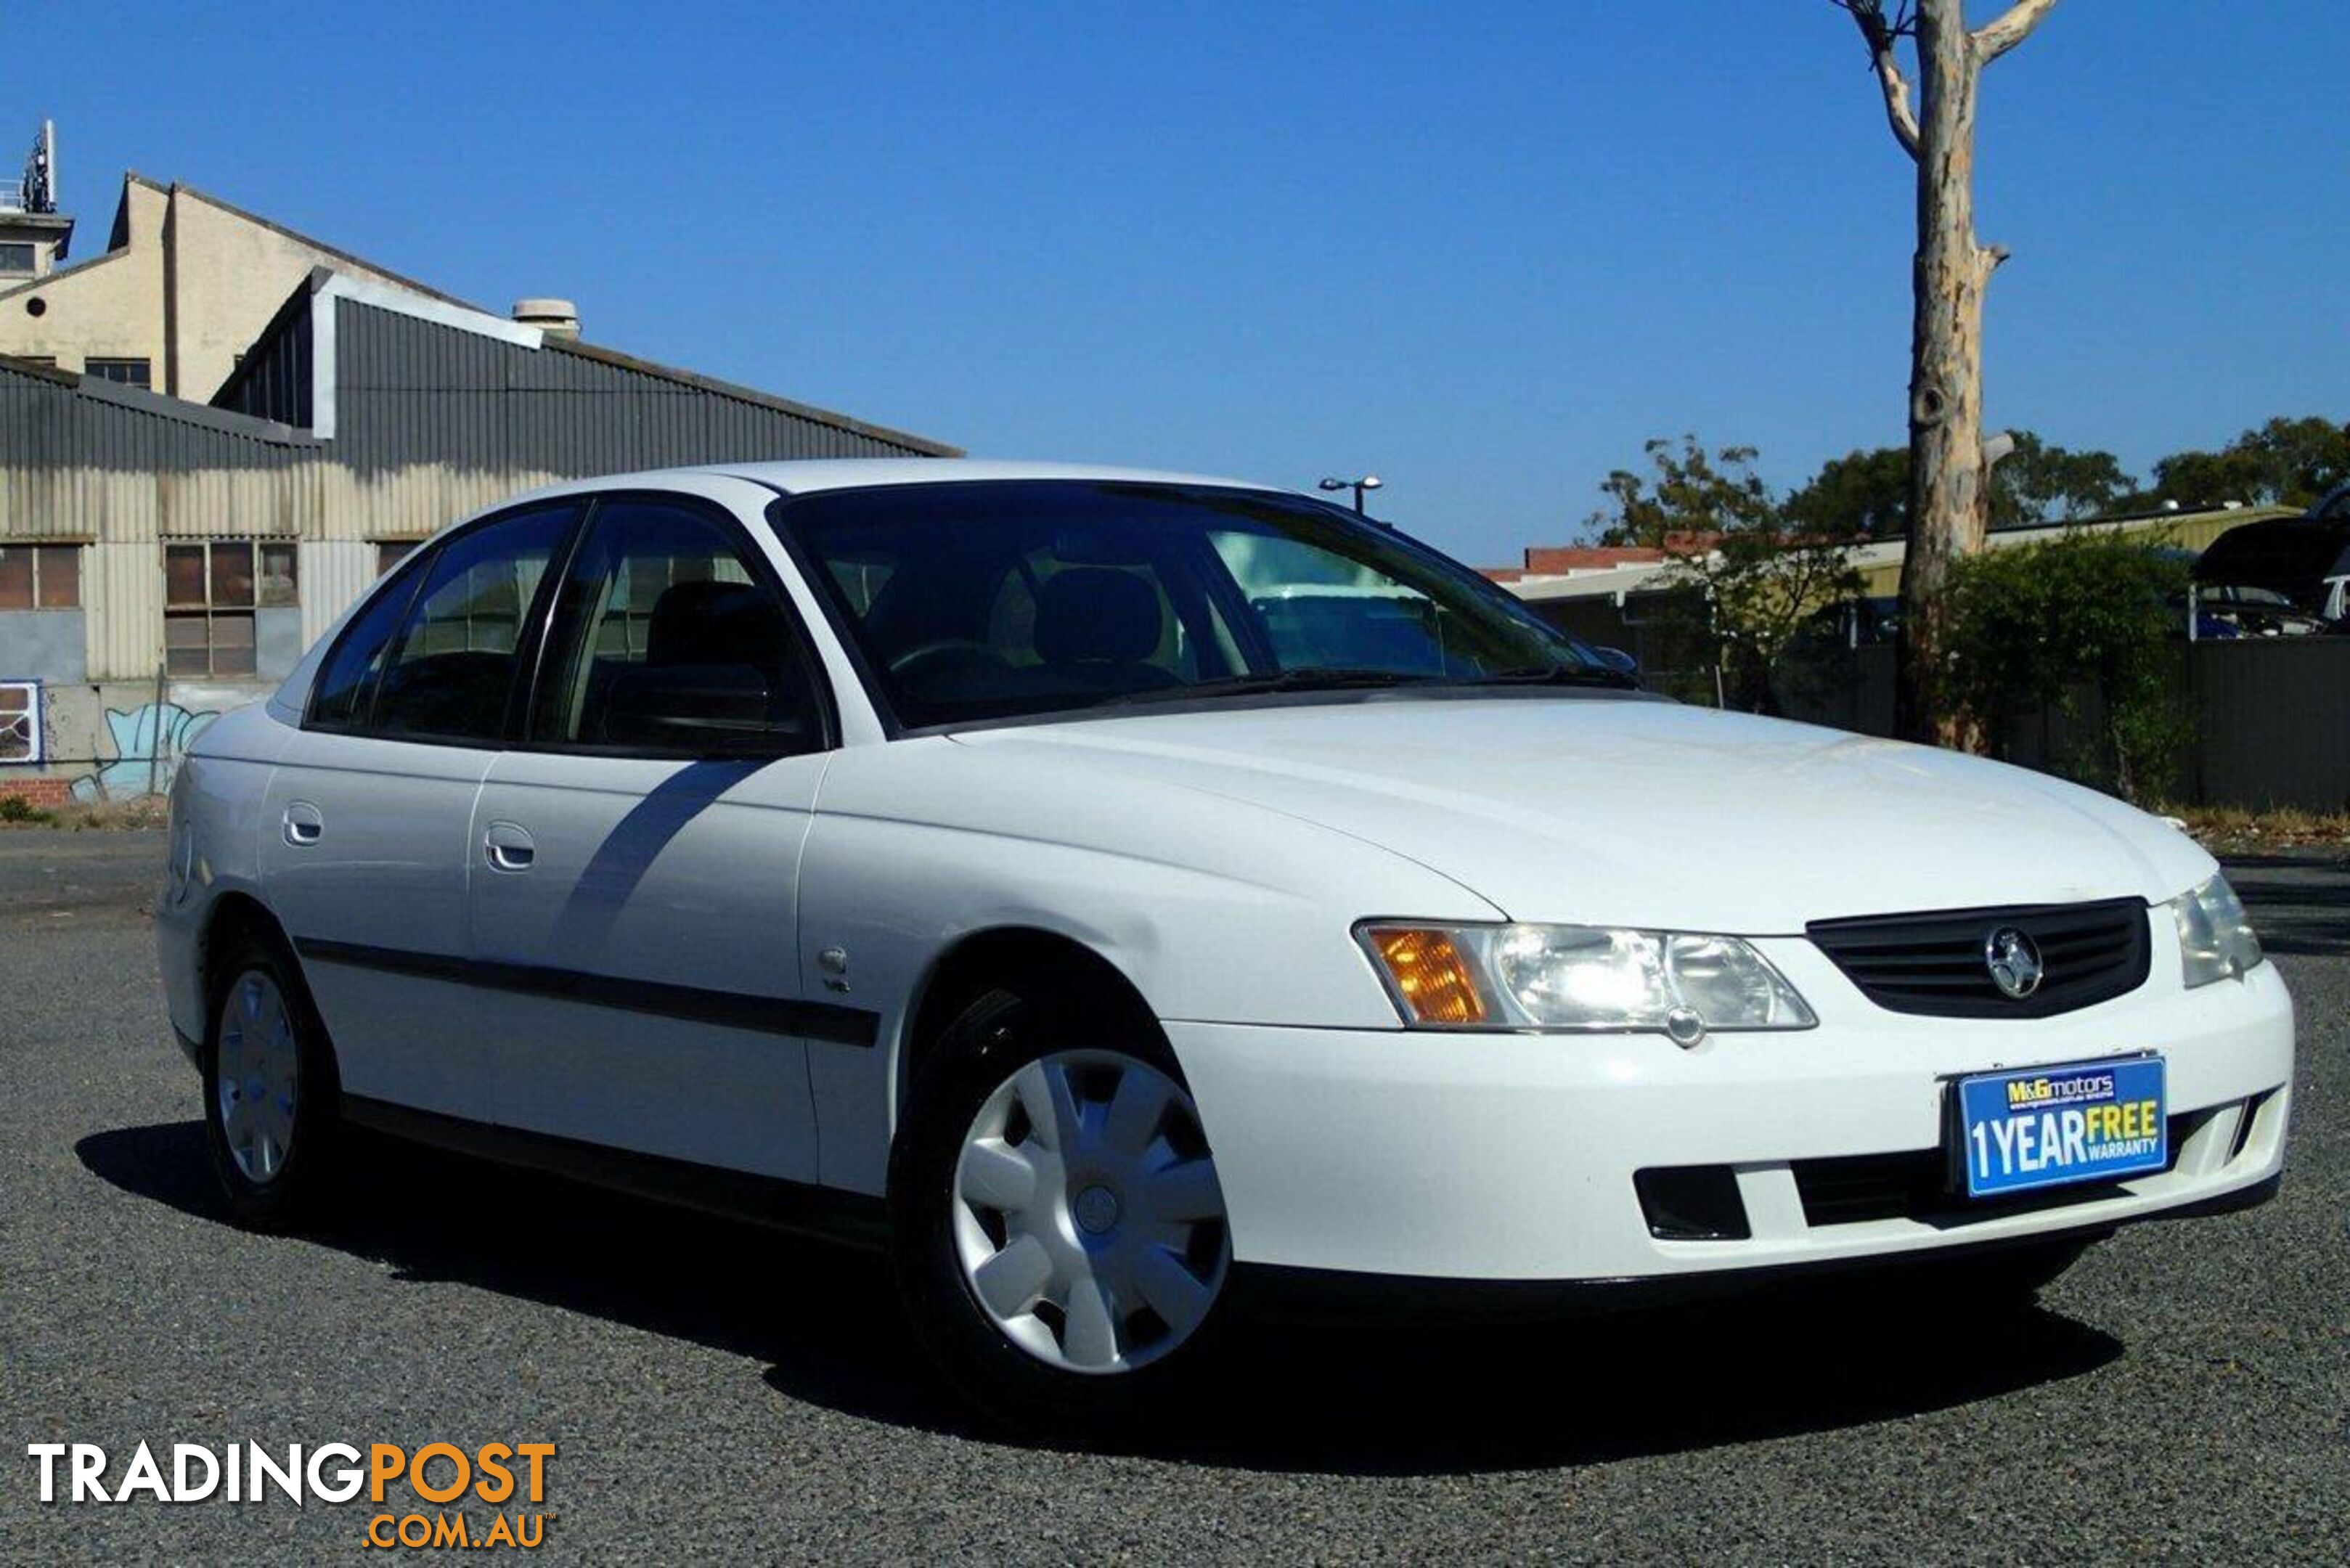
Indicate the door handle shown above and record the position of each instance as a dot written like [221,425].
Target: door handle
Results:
[508,846]
[304,824]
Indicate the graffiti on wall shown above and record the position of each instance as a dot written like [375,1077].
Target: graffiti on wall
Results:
[149,742]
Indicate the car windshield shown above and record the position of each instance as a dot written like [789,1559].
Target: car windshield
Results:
[987,599]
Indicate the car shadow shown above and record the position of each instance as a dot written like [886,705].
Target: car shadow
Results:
[1342,1399]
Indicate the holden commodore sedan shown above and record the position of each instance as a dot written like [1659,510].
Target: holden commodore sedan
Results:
[1133,897]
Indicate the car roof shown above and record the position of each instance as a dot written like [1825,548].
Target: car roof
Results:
[808,476]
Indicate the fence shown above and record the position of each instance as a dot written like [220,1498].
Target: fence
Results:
[2273,722]
[2271,715]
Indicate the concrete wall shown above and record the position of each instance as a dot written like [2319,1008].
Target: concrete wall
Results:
[189,291]
[111,307]
[279,642]
[114,741]
[229,275]
[43,645]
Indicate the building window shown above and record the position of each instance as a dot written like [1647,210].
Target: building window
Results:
[17,257]
[389,553]
[20,721]
[127,373]
[40,576]
[210,592]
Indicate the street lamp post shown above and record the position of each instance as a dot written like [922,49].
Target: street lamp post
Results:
[1368,482]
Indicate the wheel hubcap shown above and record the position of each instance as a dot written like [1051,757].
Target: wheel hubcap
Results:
[257,1078]
[1088,1218]
[1096,1209]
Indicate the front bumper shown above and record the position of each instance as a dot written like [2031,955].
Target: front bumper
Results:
[1500,1157]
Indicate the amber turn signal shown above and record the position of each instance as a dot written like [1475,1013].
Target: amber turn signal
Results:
[1429,975]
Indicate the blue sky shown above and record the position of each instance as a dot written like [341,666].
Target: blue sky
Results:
[1483,250]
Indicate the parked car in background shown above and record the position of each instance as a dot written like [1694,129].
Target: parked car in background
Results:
[2239,610]
[2300,563]
[1103,888]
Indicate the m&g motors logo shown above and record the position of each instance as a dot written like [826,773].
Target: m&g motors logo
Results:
[510,1478]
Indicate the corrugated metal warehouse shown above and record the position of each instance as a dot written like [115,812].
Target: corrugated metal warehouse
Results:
[162,559]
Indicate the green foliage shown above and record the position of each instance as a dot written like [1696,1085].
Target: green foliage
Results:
[16,808]
[1761,588]
[2042,482]
[1861,493]
[1688,491]
[1747,580]
[2082,624]
[2286,462]
[1868,492]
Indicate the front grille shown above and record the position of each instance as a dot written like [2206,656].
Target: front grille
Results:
[1934,963]
[1918,1185]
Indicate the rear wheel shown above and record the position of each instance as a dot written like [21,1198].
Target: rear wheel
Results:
[270,1090]
[1056,1221]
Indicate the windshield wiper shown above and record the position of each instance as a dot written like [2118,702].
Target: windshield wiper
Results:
[1336,680]
[1547,675]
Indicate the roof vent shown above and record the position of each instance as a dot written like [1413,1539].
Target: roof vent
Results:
[555,317]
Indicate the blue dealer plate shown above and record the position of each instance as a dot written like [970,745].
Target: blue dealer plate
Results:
[2046,1127]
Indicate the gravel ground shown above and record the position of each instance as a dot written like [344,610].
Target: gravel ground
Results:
[716,1391]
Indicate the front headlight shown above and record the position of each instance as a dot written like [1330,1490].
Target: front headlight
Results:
[2215,936]
[1578,977]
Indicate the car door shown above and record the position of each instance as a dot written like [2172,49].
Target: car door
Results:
[635,861]
[367,815]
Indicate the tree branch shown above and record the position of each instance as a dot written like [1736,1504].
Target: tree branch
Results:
[1996,36]
[1881,35]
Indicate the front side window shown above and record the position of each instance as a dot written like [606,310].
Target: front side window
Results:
[1009,598]
[343,696]
[210,592]
[448,672]
[668,641]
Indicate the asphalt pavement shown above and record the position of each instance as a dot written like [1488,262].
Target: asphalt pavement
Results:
[715,1391]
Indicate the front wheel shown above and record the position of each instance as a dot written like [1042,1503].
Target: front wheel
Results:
[1056,1221]
[271,1097]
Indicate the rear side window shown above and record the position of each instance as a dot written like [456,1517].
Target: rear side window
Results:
[442,664]
[346,687]
[668,642]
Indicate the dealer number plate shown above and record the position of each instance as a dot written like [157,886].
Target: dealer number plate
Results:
[2046,1127]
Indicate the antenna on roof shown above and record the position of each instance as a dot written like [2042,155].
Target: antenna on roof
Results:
[39,192]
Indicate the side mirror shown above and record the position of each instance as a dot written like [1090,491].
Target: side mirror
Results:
[1617,659]
[707,709]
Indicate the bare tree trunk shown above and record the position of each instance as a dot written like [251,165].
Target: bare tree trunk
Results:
[1949,500]
[1949,503]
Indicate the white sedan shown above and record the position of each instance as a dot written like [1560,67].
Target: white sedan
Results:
[1111,890]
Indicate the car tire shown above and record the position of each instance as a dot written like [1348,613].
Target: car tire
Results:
[272,1096]
[1096,1230]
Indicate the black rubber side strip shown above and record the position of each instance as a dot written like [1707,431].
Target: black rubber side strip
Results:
[856,1218]
[824,1021]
